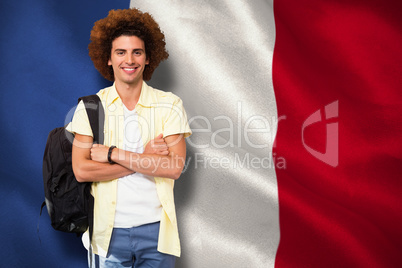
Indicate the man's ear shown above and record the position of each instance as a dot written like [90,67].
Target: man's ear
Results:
[109,62]
[147,61]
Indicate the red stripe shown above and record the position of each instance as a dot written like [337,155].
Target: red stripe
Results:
[347,51]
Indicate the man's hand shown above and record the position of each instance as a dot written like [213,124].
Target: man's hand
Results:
[99,153]
[157,146]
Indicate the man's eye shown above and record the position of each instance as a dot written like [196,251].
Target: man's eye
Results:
[120,53]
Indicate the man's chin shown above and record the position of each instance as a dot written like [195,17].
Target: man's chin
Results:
[132,81]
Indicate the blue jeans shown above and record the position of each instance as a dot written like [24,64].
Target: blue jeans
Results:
[135,247]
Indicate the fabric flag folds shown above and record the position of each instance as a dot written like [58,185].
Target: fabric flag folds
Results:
[332,91]
[220,65]
[295,106]
[337,79]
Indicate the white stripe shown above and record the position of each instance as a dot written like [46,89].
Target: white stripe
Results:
[220,64]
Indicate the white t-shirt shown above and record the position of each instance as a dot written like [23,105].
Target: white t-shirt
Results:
[137,199]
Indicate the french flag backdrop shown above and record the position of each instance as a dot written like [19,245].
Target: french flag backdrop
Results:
[296,155]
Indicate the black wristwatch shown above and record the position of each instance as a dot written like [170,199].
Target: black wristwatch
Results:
[109,154]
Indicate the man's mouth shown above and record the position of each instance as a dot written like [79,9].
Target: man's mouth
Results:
[129,70]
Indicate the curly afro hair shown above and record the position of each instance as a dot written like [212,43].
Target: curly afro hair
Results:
[130,22]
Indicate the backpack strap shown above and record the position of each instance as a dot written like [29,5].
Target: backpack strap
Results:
[96,115]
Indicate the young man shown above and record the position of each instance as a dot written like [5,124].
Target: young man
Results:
[134,213]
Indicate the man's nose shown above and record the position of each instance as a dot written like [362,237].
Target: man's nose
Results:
[129,58]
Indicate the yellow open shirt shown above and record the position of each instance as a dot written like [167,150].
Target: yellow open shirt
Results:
[158,112]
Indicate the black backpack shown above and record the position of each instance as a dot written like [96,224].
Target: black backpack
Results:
[69,202]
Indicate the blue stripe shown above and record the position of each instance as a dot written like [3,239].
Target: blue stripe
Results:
[45,67]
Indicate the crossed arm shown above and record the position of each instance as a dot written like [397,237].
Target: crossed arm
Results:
[161,158]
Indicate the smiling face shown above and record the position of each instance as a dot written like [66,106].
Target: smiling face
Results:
[128,60]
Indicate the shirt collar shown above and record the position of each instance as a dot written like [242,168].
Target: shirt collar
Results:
[147,97]
[113,96]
